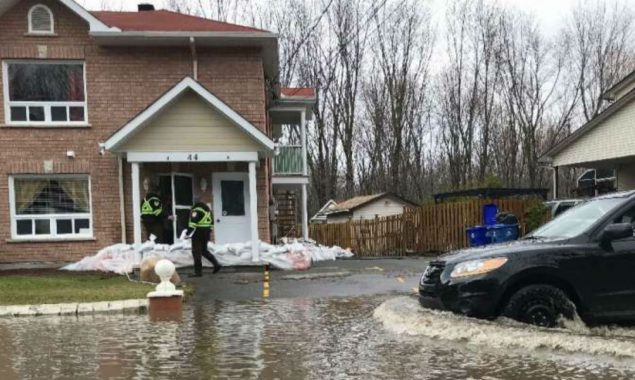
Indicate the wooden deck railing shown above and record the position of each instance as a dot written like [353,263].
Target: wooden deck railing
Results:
[427,229]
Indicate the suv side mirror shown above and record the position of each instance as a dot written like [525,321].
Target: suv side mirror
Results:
[616,231]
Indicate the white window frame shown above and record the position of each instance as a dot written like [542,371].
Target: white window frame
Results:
[30,17]
[52,217]
[46,104]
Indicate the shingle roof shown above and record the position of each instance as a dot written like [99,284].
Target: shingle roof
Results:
[166,21]
[356,202]
[299,92]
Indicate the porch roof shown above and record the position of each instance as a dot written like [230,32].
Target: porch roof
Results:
[117,141]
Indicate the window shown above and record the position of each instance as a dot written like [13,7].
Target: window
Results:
[41,20]
[46,207]
[233,198]
[45,93]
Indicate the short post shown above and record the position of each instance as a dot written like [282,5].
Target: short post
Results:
[165,303]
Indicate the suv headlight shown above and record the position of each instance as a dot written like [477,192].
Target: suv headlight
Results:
[476,267]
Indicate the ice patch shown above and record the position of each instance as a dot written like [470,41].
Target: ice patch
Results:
[404,315]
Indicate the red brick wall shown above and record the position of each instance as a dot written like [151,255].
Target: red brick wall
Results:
[121,82]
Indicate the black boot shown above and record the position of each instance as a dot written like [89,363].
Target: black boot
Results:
[217,267]
[196,274]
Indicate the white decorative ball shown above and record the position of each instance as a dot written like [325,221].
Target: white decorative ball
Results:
[164,269]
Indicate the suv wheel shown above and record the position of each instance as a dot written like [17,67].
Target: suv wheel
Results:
[540,305]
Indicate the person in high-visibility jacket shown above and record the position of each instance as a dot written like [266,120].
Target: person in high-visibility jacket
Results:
[200,229]
[153,215]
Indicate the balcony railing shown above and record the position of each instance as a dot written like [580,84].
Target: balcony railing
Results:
[289,160]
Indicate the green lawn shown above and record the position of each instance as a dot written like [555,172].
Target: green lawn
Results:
[62,287]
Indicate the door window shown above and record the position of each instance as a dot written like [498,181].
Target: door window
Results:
[233,198]
[183,191]
[178,188]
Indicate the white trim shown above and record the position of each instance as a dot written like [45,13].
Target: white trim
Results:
[8,103]
[253,211]
[183,34]
[30,18]
[305,170]
[136,204]
[94,23]
[52,236]
[289,180]
[136,124]
[192,156]
[122,207]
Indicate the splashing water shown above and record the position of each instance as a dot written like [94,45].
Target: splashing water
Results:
[404,315]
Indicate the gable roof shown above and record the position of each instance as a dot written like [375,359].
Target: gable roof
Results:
[321,214]
[95,24]
[355,203]
[547,157]
[141,120]
[619,86]
[167,21]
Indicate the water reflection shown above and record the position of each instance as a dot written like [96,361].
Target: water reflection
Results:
[276,339]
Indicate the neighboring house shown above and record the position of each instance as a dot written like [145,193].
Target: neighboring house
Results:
[320,216]
[368,207]
[605,142]
[100,107]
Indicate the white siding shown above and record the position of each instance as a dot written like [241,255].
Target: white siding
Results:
[191,124]
[613,138]
[337,219]
[380,207]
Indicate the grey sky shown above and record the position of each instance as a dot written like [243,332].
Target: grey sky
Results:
[550,13]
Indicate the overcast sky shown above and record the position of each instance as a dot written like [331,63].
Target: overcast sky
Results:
[550,13]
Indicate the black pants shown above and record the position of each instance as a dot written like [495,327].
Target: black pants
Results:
[154,228]
[199,250]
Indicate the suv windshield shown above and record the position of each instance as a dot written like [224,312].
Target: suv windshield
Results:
[577,219]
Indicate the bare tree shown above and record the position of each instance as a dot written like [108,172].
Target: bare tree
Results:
[601,52]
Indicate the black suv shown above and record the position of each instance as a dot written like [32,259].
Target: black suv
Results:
[584,261]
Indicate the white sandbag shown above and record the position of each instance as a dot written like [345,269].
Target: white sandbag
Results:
[294,255]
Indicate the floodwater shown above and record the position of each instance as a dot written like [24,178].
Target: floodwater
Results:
[385,337]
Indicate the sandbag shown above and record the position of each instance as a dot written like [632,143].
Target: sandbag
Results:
[291,255]
[148,274]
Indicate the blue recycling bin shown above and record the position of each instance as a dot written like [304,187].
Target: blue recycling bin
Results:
[489,214]
[477,236]
[500,233]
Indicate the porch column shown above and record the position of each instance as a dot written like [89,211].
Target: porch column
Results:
[136,204]
[305,169]
[253,211]
[305,218]
[555,182]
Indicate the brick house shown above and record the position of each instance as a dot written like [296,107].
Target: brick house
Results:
[100,107]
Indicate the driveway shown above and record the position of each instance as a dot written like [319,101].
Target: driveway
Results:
[341,278]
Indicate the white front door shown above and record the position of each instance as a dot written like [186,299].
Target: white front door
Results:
[231,207]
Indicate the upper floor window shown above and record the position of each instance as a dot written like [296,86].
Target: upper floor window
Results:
[44,93]
[41,20]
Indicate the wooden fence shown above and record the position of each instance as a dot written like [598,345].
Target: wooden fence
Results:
[430,228]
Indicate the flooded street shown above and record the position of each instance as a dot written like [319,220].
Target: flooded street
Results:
[357,337]
[356,319]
